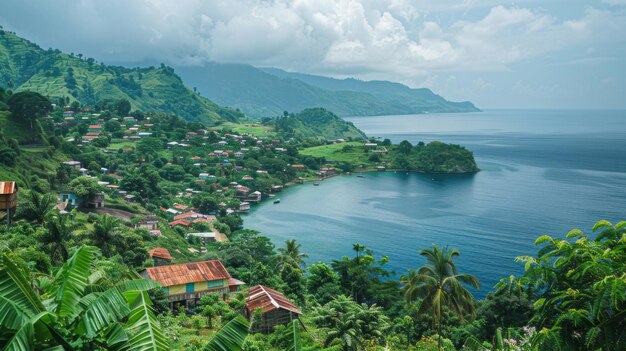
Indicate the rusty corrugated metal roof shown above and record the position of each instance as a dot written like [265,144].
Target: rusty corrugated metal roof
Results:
[160,252]
[176,274]
[268,299]
[7,188]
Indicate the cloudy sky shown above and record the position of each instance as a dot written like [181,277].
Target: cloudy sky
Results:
[512,54]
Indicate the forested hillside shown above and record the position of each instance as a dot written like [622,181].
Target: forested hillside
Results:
[26,66]
[269,92]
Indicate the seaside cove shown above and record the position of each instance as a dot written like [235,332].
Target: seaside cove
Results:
[542,172]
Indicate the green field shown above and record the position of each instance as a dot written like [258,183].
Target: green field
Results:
[350,152]
[253,129]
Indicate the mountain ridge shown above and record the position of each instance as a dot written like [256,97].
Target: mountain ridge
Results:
[267,92]
[26,66]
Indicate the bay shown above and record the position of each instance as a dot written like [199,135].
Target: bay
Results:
[542,172]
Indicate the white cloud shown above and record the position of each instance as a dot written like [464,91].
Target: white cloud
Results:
[343,37]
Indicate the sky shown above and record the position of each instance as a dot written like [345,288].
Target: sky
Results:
[497,54]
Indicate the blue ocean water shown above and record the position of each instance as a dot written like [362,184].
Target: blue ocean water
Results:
[543,172]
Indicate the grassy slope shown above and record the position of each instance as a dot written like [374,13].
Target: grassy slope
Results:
[339,153]
[317,123]
[28,67]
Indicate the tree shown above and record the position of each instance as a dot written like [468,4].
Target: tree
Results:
[290,254]
[29,106]
[105,234]
[581,285]
[122,107]
[439,285]
[351,323]
[73,311]
[85,187]
[59,232]
[322,282]
[405,147]
[36,206]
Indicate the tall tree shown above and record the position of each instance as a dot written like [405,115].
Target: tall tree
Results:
[290,254]
[36,206]
[438,284]
[29,106]
[55,238]
[106,234]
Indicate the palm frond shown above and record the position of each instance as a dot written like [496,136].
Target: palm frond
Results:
[231,337]
[72,279]
[142,326]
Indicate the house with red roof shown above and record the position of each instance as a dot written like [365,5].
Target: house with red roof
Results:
[186,283]
[275,309]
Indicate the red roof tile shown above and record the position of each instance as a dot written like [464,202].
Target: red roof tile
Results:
[7,188]
[179,222]
[184,273]
[160,252]
[268,299]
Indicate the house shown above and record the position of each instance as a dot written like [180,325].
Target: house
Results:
[8,199]
[205,237]
[144,134]
[244,206]
[160,256]
[95,202]
[371,145]
[68,113]
[150,225]
[242,192]
[69,200]
[275,309]
[328,171]
[180,206]
[179,222]
[298,167]
[255,197]
[95,128]
[186,283]
[171,144]
[74,164]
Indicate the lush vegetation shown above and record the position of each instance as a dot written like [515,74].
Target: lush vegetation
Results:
[27,67]
[434,157]
[268,92]
[68,276]
[314,123]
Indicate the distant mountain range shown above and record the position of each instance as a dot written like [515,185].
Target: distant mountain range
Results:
[267,92]
[26,66]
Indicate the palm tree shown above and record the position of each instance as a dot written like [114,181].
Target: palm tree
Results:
[36,206]
[105,233]
[358,248]
[59,231]
[290,254]
[438,285]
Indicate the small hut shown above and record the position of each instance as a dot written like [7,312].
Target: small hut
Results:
[274,307]
[160,256]
[8,199]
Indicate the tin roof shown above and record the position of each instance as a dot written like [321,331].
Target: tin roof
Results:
[7,188]
[160,252]
[268,299]
[176,274]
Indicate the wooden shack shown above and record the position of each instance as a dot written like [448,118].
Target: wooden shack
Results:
[274,307]
[160,256]
[8,199]
[186,283]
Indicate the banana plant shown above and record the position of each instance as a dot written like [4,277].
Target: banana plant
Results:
[71,311]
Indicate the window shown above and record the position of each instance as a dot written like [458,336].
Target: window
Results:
[189,288]
[214,283]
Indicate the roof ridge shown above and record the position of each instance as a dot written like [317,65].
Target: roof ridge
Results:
[276,304]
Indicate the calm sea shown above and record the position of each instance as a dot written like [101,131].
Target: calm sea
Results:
[543,172]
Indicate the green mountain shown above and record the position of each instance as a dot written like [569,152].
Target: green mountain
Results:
[26,66]
[415,100]
[269,92]
[316,123]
